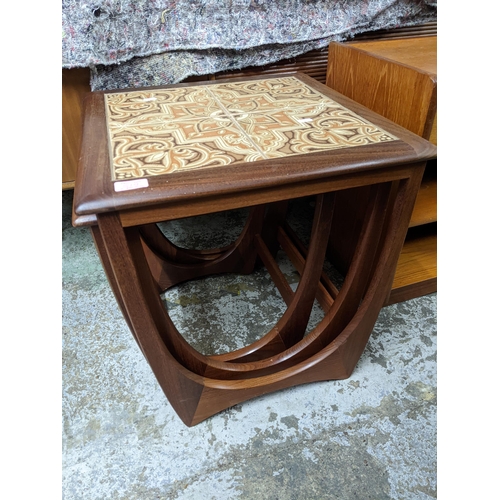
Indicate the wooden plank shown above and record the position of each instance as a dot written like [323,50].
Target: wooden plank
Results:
[416,272]
[420,53]
[425,210]
[402,93]
[75,83]
[433,136]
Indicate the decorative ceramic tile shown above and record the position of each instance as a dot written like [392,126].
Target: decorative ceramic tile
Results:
[157,132]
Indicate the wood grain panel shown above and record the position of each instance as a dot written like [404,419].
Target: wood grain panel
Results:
[420,53]
[433,135]
[383,85]
[416,271]
[75,83]
[425,210]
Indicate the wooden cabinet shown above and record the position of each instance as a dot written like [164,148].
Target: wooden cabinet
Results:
[397,79]
[75,83]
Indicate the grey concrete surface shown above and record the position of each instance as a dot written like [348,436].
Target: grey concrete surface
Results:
[372,436]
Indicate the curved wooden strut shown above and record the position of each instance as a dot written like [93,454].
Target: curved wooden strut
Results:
[171,265]
[291,326]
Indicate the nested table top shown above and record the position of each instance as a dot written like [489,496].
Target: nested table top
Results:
[153,145]
[157,132]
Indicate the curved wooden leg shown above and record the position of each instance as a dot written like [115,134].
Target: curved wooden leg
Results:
[156,241]
[338,359]
[171,265]
[293,322]
[292,325]
[101,250]
[345,305]
[289,329]
[275,217]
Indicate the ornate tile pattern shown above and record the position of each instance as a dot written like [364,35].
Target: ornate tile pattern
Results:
[157,132]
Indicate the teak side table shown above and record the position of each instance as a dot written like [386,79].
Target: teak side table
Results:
[158,154]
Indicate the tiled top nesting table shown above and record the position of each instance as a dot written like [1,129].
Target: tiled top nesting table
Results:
[158,154]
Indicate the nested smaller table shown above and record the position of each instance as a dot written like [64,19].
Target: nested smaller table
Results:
[157,154]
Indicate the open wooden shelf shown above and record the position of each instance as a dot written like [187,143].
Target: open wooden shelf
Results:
[425,210]
[416,271]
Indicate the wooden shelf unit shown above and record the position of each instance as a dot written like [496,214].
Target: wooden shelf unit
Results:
[397,78]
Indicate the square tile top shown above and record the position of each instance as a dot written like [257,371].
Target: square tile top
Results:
[160,131]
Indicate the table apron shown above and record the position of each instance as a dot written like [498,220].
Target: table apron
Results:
[179,209]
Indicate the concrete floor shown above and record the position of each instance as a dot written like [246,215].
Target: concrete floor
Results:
[372,436]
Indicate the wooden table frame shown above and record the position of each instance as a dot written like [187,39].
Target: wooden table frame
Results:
[140,262]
